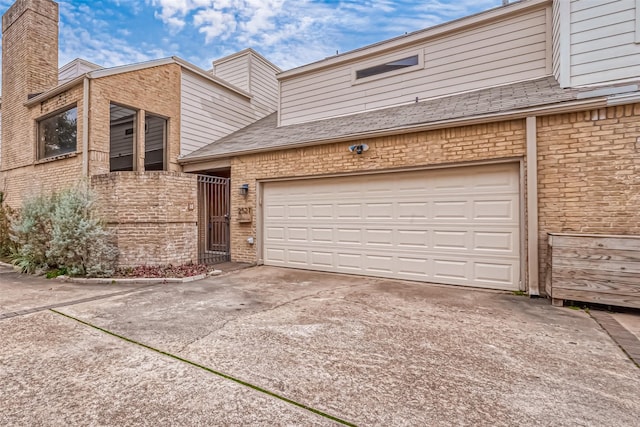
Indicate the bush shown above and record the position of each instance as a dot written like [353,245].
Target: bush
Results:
[61,231]
[7,247]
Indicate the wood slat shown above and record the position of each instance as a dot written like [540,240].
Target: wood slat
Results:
[576,241]
[597,254]
[611,286]
[595,275]
[611,266]
[598,298]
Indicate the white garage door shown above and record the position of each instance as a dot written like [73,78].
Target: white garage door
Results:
[456,226]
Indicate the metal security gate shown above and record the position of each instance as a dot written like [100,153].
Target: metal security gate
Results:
[213,219]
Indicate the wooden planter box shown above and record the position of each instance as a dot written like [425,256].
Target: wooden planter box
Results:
[593,268]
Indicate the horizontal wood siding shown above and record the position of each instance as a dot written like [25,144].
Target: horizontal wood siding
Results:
[234,71]
[504,51]
[73,70]
[209,112]
[264,85]
[603,47]
[596,269]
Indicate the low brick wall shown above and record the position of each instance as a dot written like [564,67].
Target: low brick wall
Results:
[153,215]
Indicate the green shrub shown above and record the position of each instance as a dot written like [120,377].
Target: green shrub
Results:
[7,247]
[61,231]
[31,233]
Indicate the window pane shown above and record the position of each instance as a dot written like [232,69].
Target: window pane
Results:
[122,130]
[389,66]
[58,134]
[155,134]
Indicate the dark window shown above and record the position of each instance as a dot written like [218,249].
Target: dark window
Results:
[58,134]
[155,142]
[389,66]
[121,138]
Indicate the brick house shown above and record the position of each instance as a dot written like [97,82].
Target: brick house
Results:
[446,155]
[122,128]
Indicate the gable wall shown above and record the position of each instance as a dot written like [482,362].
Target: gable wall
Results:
[210,112]
[512,49]
[603,47]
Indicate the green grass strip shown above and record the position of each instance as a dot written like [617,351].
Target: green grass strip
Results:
[212,371]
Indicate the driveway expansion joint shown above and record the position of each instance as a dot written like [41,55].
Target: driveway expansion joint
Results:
[210,370]
[25,311]
[628,342]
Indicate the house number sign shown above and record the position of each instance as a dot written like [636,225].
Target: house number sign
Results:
[245,214]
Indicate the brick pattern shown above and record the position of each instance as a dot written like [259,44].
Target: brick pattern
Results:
[589,174]
[446,146]
[153,215]
[156,90]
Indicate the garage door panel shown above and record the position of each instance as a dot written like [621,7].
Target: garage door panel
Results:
[349,235]
[455,226]
[322,235]
[493,209]
[494,241]
[297,257]
[412,238]
[450,239]
[323,259]
[298,211]
[500,273]
[412,210]
[450,210]
[321,211]
[275,233]
[348,210]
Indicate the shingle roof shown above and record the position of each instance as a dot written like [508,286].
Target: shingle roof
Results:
[266,135]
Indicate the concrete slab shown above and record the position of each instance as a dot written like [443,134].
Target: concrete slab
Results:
[58,372]
[630,321]
[382,352]
[21,292]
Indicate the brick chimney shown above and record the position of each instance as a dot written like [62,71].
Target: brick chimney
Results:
[29,66]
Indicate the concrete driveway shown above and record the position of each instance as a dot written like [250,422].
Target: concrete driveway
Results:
[269,346]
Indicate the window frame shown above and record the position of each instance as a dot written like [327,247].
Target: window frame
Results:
[386,74]
[165,138]
[40,145]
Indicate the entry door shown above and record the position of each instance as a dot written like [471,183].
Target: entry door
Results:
[457,226]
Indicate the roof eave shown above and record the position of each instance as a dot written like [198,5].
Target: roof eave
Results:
[559,108]
[56,90]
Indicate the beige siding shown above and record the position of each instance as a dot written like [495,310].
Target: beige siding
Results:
[512,49]
[74,69]
[234,71]
[264,85]
[603,44]
[210,112]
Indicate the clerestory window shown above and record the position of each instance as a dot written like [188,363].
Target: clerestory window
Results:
[388,67]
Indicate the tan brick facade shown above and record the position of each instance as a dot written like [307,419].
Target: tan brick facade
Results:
[588,169]
[589,173]
[154,90]
[153,215]
[447,146]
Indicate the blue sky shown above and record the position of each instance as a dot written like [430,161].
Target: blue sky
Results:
[288,32]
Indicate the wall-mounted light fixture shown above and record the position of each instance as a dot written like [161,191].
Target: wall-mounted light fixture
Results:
[358,148]
[244,190]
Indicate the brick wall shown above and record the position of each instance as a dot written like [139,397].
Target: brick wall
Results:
[27,178]
[29,66]
[153,215]
[589,173]
[446,146]
[156,90]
